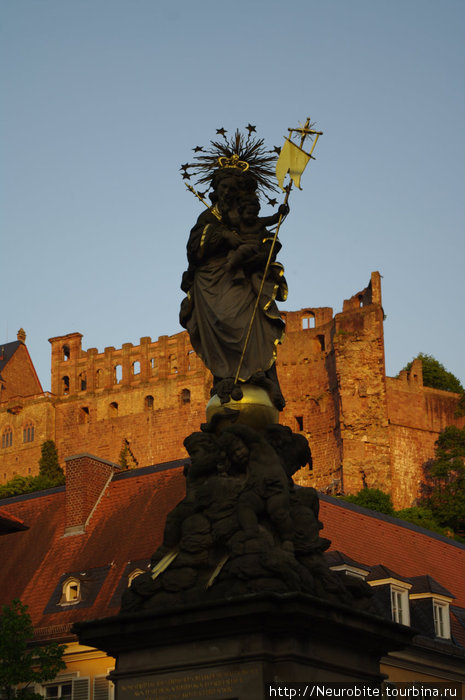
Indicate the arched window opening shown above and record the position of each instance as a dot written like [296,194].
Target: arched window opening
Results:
[191,359]
[71,592]
[84,415]
[148,403]
[308,322]
[136,367]
[185,396]
[99,379]
[28,432]
[118,370]
[113,409]
[173,363]
[299,422]
[134,574]
[82,381]
[360,300]
[66,353]
[65,385]
[321,340]
[153,365]
[7,437]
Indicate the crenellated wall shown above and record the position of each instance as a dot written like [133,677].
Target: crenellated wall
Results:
[365,429]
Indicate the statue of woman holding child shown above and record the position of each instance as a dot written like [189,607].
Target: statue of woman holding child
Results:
[227,251]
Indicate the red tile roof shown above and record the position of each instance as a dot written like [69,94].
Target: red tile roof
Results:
[373,538]
[8,523]
[127,526]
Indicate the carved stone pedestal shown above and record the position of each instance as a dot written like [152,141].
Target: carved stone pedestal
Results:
[232,650]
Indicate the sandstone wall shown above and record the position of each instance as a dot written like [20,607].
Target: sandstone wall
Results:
[364,429]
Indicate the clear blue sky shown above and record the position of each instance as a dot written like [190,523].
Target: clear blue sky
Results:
[102,100]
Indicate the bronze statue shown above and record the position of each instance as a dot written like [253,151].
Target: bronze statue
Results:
[243,526]
[227,253]
[233,280]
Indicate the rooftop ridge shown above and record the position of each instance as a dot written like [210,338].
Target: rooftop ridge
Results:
[389,519]
[31,494]
[153,468]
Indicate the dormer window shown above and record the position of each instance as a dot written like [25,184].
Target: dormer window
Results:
[400,605]
[353,571]
[441,619]
[71,592]
[391,590]
[430,603]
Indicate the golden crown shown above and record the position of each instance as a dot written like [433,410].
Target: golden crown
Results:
[233,162]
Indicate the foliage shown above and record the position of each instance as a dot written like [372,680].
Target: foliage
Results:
[460,410]
[18,664]
[435,374]
[443,490]
[123,457]
[422,516]
[49,465]
[50,475]
[374,499]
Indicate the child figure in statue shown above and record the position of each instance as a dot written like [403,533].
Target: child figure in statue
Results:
[253,249]
[217,309]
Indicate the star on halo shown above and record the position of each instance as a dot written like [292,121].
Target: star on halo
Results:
[251,128]
[222,131]
[197,149]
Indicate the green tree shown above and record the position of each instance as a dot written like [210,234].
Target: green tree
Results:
[422,516]
[20,665]
[50,475]
[49,465]
[374,499]
[443,489]
[436,375]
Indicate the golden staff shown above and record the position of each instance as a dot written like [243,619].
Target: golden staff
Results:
[194,191]
[305,131]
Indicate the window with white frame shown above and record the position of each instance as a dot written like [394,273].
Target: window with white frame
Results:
[67,689]
[400,605]
[441,619]
[60,690]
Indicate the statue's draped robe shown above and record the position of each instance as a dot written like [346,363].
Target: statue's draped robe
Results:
[220,304]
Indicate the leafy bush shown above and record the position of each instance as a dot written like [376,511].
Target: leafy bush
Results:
[50,475]
[20,666]
[374,499]
[443,488]
[436,375]
[422,516]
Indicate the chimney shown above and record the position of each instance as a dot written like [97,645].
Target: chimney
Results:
[87,477]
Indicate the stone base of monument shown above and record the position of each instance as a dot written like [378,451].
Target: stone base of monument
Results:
[233,650]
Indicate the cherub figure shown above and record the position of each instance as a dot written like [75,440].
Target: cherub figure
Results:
[254,240]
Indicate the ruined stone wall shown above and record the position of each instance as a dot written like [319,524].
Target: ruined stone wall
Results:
[22,457]
[364,429]
[417,414]
[308,381]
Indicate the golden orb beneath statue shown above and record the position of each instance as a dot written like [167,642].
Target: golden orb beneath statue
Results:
[254,409]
